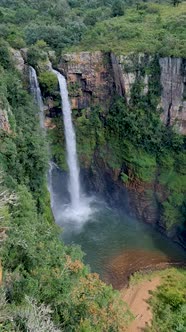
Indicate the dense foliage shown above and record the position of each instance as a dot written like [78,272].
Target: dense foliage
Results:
[117,25]
[46,287]
[169,303]
[135,31]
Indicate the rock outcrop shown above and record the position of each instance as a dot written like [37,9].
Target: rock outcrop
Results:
[129,69]
[139,199]
[94,77]
[173,96]
[89,76]
[120,83]
[143,202]
[172,81]
[18,60]
[4,122]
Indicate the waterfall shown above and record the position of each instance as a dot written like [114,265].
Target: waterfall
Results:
[36,92]
[79,208]
[74,181]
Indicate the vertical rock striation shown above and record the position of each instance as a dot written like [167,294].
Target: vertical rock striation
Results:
[118,76]
[93,77]
[131,68]
[173,96]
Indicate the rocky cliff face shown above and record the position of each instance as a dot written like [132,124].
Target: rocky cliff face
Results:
[95,77]
[4,122]
[172,81]
[143,202]
[138,199]
[129,69]
[89,76]
[18,60]
[173,96]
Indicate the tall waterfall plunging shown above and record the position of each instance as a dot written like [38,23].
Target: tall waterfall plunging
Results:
[70,137]
[36,92]
[79,207]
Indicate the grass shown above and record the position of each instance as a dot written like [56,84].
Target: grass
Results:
[139,277]
[155,29]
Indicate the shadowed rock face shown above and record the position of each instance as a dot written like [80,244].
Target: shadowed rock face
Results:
[173,96]
[139,198]
[128,68]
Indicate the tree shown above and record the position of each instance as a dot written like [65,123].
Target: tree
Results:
[118,8]
[175,2]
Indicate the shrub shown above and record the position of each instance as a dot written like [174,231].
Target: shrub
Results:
[35,54]
[48,82]
[117,8]
[5,56]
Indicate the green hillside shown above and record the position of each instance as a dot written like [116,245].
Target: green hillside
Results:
[44,284]
[111,25]
[150,28]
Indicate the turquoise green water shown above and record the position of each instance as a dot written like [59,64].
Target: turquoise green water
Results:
[115,244]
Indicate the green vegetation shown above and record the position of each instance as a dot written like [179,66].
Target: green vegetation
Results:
[46,287]
[57,143]
[135,31]
[118,8]
[169,303]
[48,82]
[109,25]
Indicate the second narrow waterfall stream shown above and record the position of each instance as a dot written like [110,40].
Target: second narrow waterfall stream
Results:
[36,92]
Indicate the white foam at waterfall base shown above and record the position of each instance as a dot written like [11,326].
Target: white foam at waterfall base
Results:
[65,214]
[81,213]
